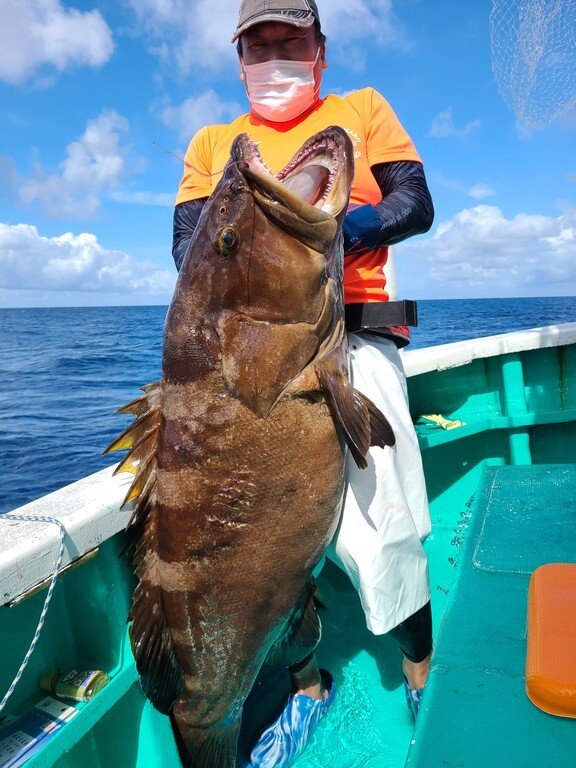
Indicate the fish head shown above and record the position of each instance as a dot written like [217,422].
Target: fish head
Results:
[265,262]
[301,208]
[265,243]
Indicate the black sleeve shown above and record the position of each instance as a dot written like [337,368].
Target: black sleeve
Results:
[406,208]
[186,217]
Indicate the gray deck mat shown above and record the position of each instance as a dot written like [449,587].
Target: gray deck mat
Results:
[521,529]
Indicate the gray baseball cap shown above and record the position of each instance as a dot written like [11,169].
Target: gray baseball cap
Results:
[301,13]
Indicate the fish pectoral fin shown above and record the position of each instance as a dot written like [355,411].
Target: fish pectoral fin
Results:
[381,433]
[363,424]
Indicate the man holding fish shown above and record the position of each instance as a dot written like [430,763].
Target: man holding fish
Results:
[385,516]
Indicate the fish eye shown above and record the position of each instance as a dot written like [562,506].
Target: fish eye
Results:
[227,241]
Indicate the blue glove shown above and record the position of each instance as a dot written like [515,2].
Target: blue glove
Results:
[362,228]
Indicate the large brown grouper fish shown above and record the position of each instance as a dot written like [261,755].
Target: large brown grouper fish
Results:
[239,450]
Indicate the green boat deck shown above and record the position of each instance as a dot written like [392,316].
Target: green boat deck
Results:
[519,410]
[476,712]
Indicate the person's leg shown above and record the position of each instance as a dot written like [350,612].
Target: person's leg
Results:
[414,636]
[286,738]
[386,517]
[305,678]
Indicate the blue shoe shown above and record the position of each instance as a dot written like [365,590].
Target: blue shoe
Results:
[413,698]
[285,740]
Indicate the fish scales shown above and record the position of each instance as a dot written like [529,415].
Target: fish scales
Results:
[239,450]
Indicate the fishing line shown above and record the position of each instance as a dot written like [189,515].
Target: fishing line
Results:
[55,574]
[241,163]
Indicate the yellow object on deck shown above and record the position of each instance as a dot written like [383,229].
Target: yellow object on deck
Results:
[440,421]
[551,651]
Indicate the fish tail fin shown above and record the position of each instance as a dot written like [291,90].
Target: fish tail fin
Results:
[213,747]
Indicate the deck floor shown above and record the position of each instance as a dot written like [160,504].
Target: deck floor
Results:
[476,712]
[369,725]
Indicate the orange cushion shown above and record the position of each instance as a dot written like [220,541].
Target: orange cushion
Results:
[551,651]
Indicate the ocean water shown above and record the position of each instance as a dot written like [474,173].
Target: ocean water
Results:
[63,373]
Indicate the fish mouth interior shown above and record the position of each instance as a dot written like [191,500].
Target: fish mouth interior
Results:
[310,175]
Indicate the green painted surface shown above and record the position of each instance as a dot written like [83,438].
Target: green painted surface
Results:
[369,726]
[475,713]
[131,733]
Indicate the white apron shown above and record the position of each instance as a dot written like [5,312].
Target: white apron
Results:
[385,517]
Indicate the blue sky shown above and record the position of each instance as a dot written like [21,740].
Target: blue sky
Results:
[87,91]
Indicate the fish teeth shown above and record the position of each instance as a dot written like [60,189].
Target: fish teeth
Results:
[331,164]
[256,158]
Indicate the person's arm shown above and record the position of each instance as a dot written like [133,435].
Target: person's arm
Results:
[186,217]
[406,208]
[195,188]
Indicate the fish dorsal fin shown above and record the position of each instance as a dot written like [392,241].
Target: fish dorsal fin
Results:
[160,672]
[145,402]
[141,441]
[362,422]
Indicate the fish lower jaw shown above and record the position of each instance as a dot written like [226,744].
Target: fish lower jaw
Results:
[254,158]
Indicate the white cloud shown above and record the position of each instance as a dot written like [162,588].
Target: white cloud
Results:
[481,191]
[360,19]
[350,23]
[443,126]
[34,33]
[525,130]
[188,33]
[479,252]
[196,33]
[194,113]
[447,182]
[95,163]
[30,262]
[478,191]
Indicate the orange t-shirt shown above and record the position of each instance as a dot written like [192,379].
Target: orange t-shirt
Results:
[377,136]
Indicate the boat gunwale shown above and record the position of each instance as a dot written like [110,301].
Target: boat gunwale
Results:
[90,510]
[442,357]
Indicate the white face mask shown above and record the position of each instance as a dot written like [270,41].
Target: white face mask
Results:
[281,90]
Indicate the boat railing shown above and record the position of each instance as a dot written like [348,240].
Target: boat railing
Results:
[89,509]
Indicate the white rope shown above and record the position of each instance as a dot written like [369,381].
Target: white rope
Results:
[36,519]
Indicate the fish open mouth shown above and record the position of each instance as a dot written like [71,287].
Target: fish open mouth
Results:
[318,175]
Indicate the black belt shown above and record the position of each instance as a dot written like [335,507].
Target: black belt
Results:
[380,314]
